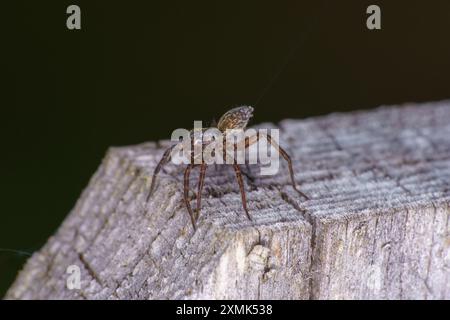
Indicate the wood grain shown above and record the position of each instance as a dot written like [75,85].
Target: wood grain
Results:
[376,225]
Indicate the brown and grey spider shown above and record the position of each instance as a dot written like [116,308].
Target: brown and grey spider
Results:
[236,118]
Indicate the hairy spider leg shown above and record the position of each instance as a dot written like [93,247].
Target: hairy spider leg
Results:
[187,172]
[288,160]
[201,181]
[281,151]
[165,158]
[237,170]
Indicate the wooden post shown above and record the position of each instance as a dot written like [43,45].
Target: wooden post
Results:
[376,225]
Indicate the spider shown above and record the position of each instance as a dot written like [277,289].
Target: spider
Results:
[236,118]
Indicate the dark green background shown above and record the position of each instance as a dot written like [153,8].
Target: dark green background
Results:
[139,69]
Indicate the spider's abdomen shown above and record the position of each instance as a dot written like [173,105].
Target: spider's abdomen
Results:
[236,118]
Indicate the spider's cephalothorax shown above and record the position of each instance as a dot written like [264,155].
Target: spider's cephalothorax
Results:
[236,118]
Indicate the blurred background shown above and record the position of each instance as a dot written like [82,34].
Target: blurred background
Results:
[139,69]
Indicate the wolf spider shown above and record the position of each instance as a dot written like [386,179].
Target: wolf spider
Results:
[236,118]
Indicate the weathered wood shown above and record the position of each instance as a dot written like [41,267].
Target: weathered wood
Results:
[376,225]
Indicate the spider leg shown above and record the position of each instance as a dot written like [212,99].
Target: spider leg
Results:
[201,181]
[248,173]
[249,176]
[241,188]
[187,172]
[288,160]
[165,158]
